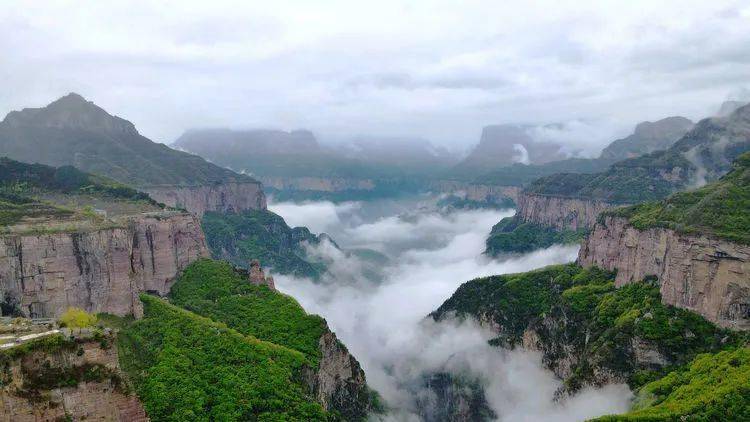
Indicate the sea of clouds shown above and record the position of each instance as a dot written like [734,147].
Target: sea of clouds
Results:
[382,318]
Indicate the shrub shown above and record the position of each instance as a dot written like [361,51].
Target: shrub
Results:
[77,318]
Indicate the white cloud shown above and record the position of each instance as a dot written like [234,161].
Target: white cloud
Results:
[330,65]
[383,322]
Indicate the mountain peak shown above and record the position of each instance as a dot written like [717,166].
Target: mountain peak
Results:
[71,111]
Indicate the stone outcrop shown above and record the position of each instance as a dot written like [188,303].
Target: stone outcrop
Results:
[321,184]
[222,197]
[339,382]
[100,395]
[258,277]
[704,274]
[99,270]
[559,212]
[493,194]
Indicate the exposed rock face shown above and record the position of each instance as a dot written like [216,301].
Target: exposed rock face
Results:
[559,212]
[223,197]
[696,272]
[101,270]
[339,383]
[322,184]
[445,397]
[477,192]
[100,400]
[258,277]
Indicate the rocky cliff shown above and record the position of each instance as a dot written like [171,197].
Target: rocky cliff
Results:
[221,197]
[701,273]
[322,184]
[99,270]
[62,379]
[339,383]
[476,191]
[559,212]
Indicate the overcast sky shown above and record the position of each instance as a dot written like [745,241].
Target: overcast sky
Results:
[435,69]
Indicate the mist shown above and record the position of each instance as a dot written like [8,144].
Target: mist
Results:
[382,318]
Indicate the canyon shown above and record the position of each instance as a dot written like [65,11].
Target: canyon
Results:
[560,212]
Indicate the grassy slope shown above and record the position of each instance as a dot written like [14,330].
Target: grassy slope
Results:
[22,184]
[721,208]
[712,387]
[190,368]
[263,235]
[216,290]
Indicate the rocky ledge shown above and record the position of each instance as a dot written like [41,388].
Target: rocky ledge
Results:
[701,273]
[559,212]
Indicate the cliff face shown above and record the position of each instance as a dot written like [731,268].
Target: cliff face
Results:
[322,184]
[696,272]
[477,192]
[99,270]
[37,386]
[559,212]
[339,383]
[223,197]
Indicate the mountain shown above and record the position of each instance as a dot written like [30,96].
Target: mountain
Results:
[648,137]
[697,243]
[74,131]
[728,107]
[503,145]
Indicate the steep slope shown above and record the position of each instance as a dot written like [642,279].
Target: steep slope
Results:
[263,235]
[697,243]
[712,387]
[588,331]
[648,137]
[73,131]
[216,290]
[72,239]
[61,377]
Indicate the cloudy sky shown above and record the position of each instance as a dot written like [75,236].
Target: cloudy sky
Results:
[435,69]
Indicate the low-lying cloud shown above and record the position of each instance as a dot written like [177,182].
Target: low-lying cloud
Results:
[382,319]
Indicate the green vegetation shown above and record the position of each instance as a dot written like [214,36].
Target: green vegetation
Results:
[25,188]
[104,145]
[190,368]
[77,318]
[263,235]
[712,387]
[511,235]
[216,290]
[720,208]
[578,313]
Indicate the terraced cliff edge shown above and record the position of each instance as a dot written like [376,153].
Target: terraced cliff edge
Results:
[477,191]
[99,270]
[221,197]
[559,212]
[701,273]
[322,184]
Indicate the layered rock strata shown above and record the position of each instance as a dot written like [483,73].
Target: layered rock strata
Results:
[477,191]
[559,212]
[701,273]
[101,270]
[221,197]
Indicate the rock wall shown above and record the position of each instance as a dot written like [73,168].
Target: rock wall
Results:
[100,270]
[477,192]
[703,274]
[102,399]
[229,196]
[339,383]
[317,183]
[559,212]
